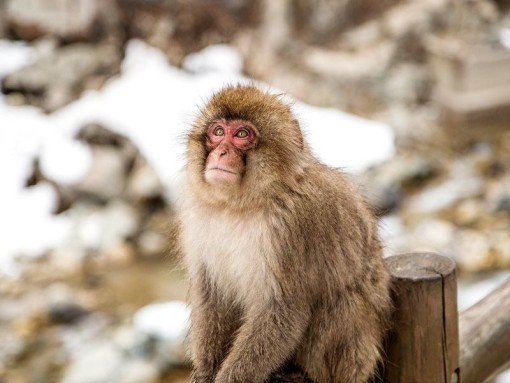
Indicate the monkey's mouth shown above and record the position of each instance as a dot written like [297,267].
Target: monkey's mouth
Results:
[221,170]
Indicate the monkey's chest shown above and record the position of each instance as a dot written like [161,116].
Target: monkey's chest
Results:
[234,254]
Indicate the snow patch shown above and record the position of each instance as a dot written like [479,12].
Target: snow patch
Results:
[168,321]
[215,58]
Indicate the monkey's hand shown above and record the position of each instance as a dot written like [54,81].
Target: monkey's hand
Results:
[212,327]
[265,341]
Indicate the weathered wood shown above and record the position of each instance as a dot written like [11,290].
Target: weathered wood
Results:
[423,345]
[485,336]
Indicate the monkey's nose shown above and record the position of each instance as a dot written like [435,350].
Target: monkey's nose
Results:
[223,152]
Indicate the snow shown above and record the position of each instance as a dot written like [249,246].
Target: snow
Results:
[152,103]
[168,321]
[215,58]
[64,160]
[471,292]
[14,54]
[503,378]
[504,38]
[344,140]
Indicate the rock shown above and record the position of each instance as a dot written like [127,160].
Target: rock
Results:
[81,338]
[385,183]
[363,36]
[468,212]
[181,27]
[120,254]
[139,371]
[155,236]
[498,195]
[3,24]
[106,178]
[410,125]
[134,343]
[470,16]
[472,251]
[168,324]
[483,158]
[67,261]
[444,195]
[409,18]
[429,235]
[10,309]
[63,306]
[66,313]
[98,135]
[434,235]
[348,67]
[167,321]
[100,362]
[170,355]
[103,229]
[144,182]
[501,243]
[117,167]
[12,347]
[30,325]
[151,244]
[59,77]
[408,83]
[404,170]
[67,19]
[322,20]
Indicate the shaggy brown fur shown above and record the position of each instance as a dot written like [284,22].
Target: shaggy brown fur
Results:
[286,266]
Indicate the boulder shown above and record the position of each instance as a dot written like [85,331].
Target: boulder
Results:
[67,19]
[59,77]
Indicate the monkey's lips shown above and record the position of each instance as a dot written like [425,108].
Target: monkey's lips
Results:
[217,174]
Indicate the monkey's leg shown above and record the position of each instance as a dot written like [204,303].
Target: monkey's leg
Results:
[213,325]
[290,373]
[345,350]
[268,338]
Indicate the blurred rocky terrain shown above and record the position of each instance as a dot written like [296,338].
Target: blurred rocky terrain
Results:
[436,71]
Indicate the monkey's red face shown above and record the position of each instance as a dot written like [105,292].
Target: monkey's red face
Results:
[228,143]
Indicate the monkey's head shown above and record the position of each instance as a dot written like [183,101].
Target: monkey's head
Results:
[245,143]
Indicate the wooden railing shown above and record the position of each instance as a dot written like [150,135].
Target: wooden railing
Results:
[423,346]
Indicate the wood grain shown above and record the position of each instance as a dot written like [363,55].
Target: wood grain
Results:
[423,345]
[485,336]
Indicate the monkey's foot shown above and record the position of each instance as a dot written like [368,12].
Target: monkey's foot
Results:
[289,374]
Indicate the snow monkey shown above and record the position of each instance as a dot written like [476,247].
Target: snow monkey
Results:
[284,259]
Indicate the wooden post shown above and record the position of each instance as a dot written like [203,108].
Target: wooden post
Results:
[423,345]
[485,336]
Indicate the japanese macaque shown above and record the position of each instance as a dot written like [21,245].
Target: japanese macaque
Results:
[287,279]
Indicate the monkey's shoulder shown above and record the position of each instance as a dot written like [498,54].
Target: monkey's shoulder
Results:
[330,212]
[331,190]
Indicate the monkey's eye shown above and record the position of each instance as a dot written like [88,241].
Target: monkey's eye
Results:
[219,131]
[243,133]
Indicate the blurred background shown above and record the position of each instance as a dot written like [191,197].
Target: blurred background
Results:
[412,97]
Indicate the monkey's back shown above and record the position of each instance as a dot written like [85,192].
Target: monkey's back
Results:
[333,226]
[339,256]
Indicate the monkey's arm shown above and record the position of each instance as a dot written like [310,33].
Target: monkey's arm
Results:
[265,341]
[212,331]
